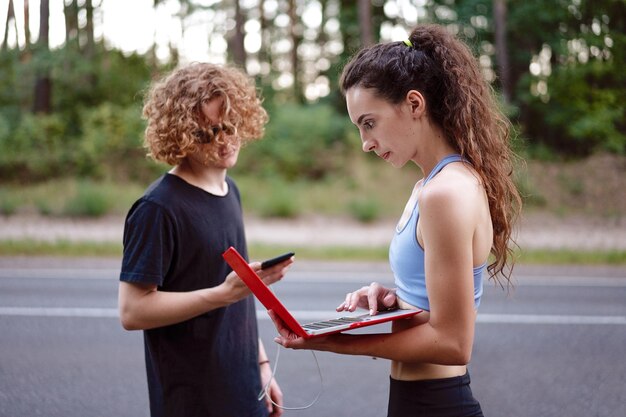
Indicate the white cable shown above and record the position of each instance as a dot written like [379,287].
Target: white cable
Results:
[265,393]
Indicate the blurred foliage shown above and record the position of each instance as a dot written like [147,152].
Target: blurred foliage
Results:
[95,129]
[365,209]
[309,252]
[37,148]
[529,192]
[9,203]
[585,113]
[111,77]
[88,201]
[301,141]
[573,106]
[112,144]
[69,197]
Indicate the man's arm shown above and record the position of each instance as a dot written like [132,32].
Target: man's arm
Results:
[142,307]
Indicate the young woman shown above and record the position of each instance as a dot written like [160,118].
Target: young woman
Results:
[425,101]
[203,355]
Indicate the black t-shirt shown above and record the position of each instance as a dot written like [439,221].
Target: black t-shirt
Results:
[174,237]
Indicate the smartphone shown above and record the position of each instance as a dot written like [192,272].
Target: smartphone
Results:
[271,262]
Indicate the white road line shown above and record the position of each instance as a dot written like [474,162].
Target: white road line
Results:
[81,312]
[58,273]
[312,277]
[549,319]
[86,312]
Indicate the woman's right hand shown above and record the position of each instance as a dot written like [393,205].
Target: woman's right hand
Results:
[373,297]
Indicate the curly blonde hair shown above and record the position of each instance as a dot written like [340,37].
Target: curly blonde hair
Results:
[462,103]
[172,108]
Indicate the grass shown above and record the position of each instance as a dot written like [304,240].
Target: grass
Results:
[572,257]
[330,253]
[70,197]
[372,191]
[61,248]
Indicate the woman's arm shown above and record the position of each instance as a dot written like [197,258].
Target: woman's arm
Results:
[143,307]
[447,223]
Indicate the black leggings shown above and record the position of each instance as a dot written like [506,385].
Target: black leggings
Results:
[447,397]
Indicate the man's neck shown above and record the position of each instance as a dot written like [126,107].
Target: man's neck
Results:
[210,179]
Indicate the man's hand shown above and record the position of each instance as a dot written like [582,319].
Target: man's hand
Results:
[237,289]
[273,394]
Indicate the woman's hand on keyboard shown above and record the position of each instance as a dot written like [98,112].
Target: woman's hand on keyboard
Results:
[373,297]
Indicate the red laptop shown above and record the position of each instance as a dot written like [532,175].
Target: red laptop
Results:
[340,324]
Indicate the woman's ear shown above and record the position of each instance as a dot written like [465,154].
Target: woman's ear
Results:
[417,103]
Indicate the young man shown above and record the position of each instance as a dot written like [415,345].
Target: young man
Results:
[203,355]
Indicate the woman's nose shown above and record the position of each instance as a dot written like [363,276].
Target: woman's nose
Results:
[368,145]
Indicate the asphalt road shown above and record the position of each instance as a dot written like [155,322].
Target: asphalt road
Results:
[554,346]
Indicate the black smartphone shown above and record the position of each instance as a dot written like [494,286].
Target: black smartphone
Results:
[271,262]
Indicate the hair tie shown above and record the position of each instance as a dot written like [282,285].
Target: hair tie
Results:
[408,43]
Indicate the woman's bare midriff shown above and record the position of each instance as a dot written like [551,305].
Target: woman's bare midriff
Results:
[419,371]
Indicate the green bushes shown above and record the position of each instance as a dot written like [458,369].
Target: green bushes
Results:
[94,129]
[584,115]
[9,203]
[111,146]
[36,149]
[301,142]
[88,202]
[365,209]
[69,197]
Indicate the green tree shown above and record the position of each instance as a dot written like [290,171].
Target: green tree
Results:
[573,99]
[566,67]
[43,83]
[10,19]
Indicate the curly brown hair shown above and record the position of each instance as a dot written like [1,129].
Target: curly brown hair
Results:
[172,108]
[462,103]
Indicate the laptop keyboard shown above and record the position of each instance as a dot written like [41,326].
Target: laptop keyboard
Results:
[334,322]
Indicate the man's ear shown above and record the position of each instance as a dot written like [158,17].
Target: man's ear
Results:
[417,103]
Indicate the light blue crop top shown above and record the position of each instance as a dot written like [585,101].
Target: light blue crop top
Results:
[406,256]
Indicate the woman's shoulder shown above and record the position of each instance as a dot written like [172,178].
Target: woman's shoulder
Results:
[454,198]
[457,182]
